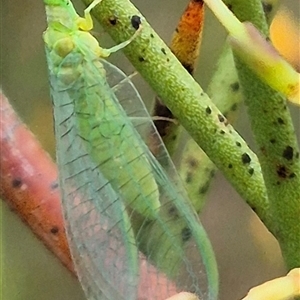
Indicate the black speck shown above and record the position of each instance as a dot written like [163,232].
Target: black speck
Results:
[238,144]
[222,131]
[288,153]
[54,230]
[54,185]
[272,141]
[113,20]
[168,59]
[251,171]
[176,30]
[282,171]
[297,155]
[221,118]
[141,59]
[292,175]
[208,110]
[246,158]
[235,86]
[17,182]
[151,35]
[163,50]
[229,6]
[280,121]
[186,234]
[230,166]
[189,177]
[136,22]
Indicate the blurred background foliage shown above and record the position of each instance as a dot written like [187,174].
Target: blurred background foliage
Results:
[247,253]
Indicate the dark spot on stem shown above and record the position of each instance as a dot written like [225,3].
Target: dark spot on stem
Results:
[136,22]
[288,153]
[208,110]
[151,35]
[141,59]
[163,50]
[54,230]
[17,182]
[246,158]
[235,86]
[238,144]
[221,118]
[230,166]
[222,131]
[251,171]
[113,20]
[280,121]
[186,234]
[282,171]
[193,163]
[292,175]
[272,141]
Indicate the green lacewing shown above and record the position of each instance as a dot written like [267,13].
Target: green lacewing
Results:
[118,200]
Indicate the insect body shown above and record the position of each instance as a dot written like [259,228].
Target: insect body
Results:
[117,199]
[75,62]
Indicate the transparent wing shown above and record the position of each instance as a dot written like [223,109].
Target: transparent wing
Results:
[98,228]
[176,241]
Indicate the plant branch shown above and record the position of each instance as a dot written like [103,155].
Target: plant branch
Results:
[187,101]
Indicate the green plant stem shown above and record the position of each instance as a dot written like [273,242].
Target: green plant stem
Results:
[196,168]
[278,150]
[187,101]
